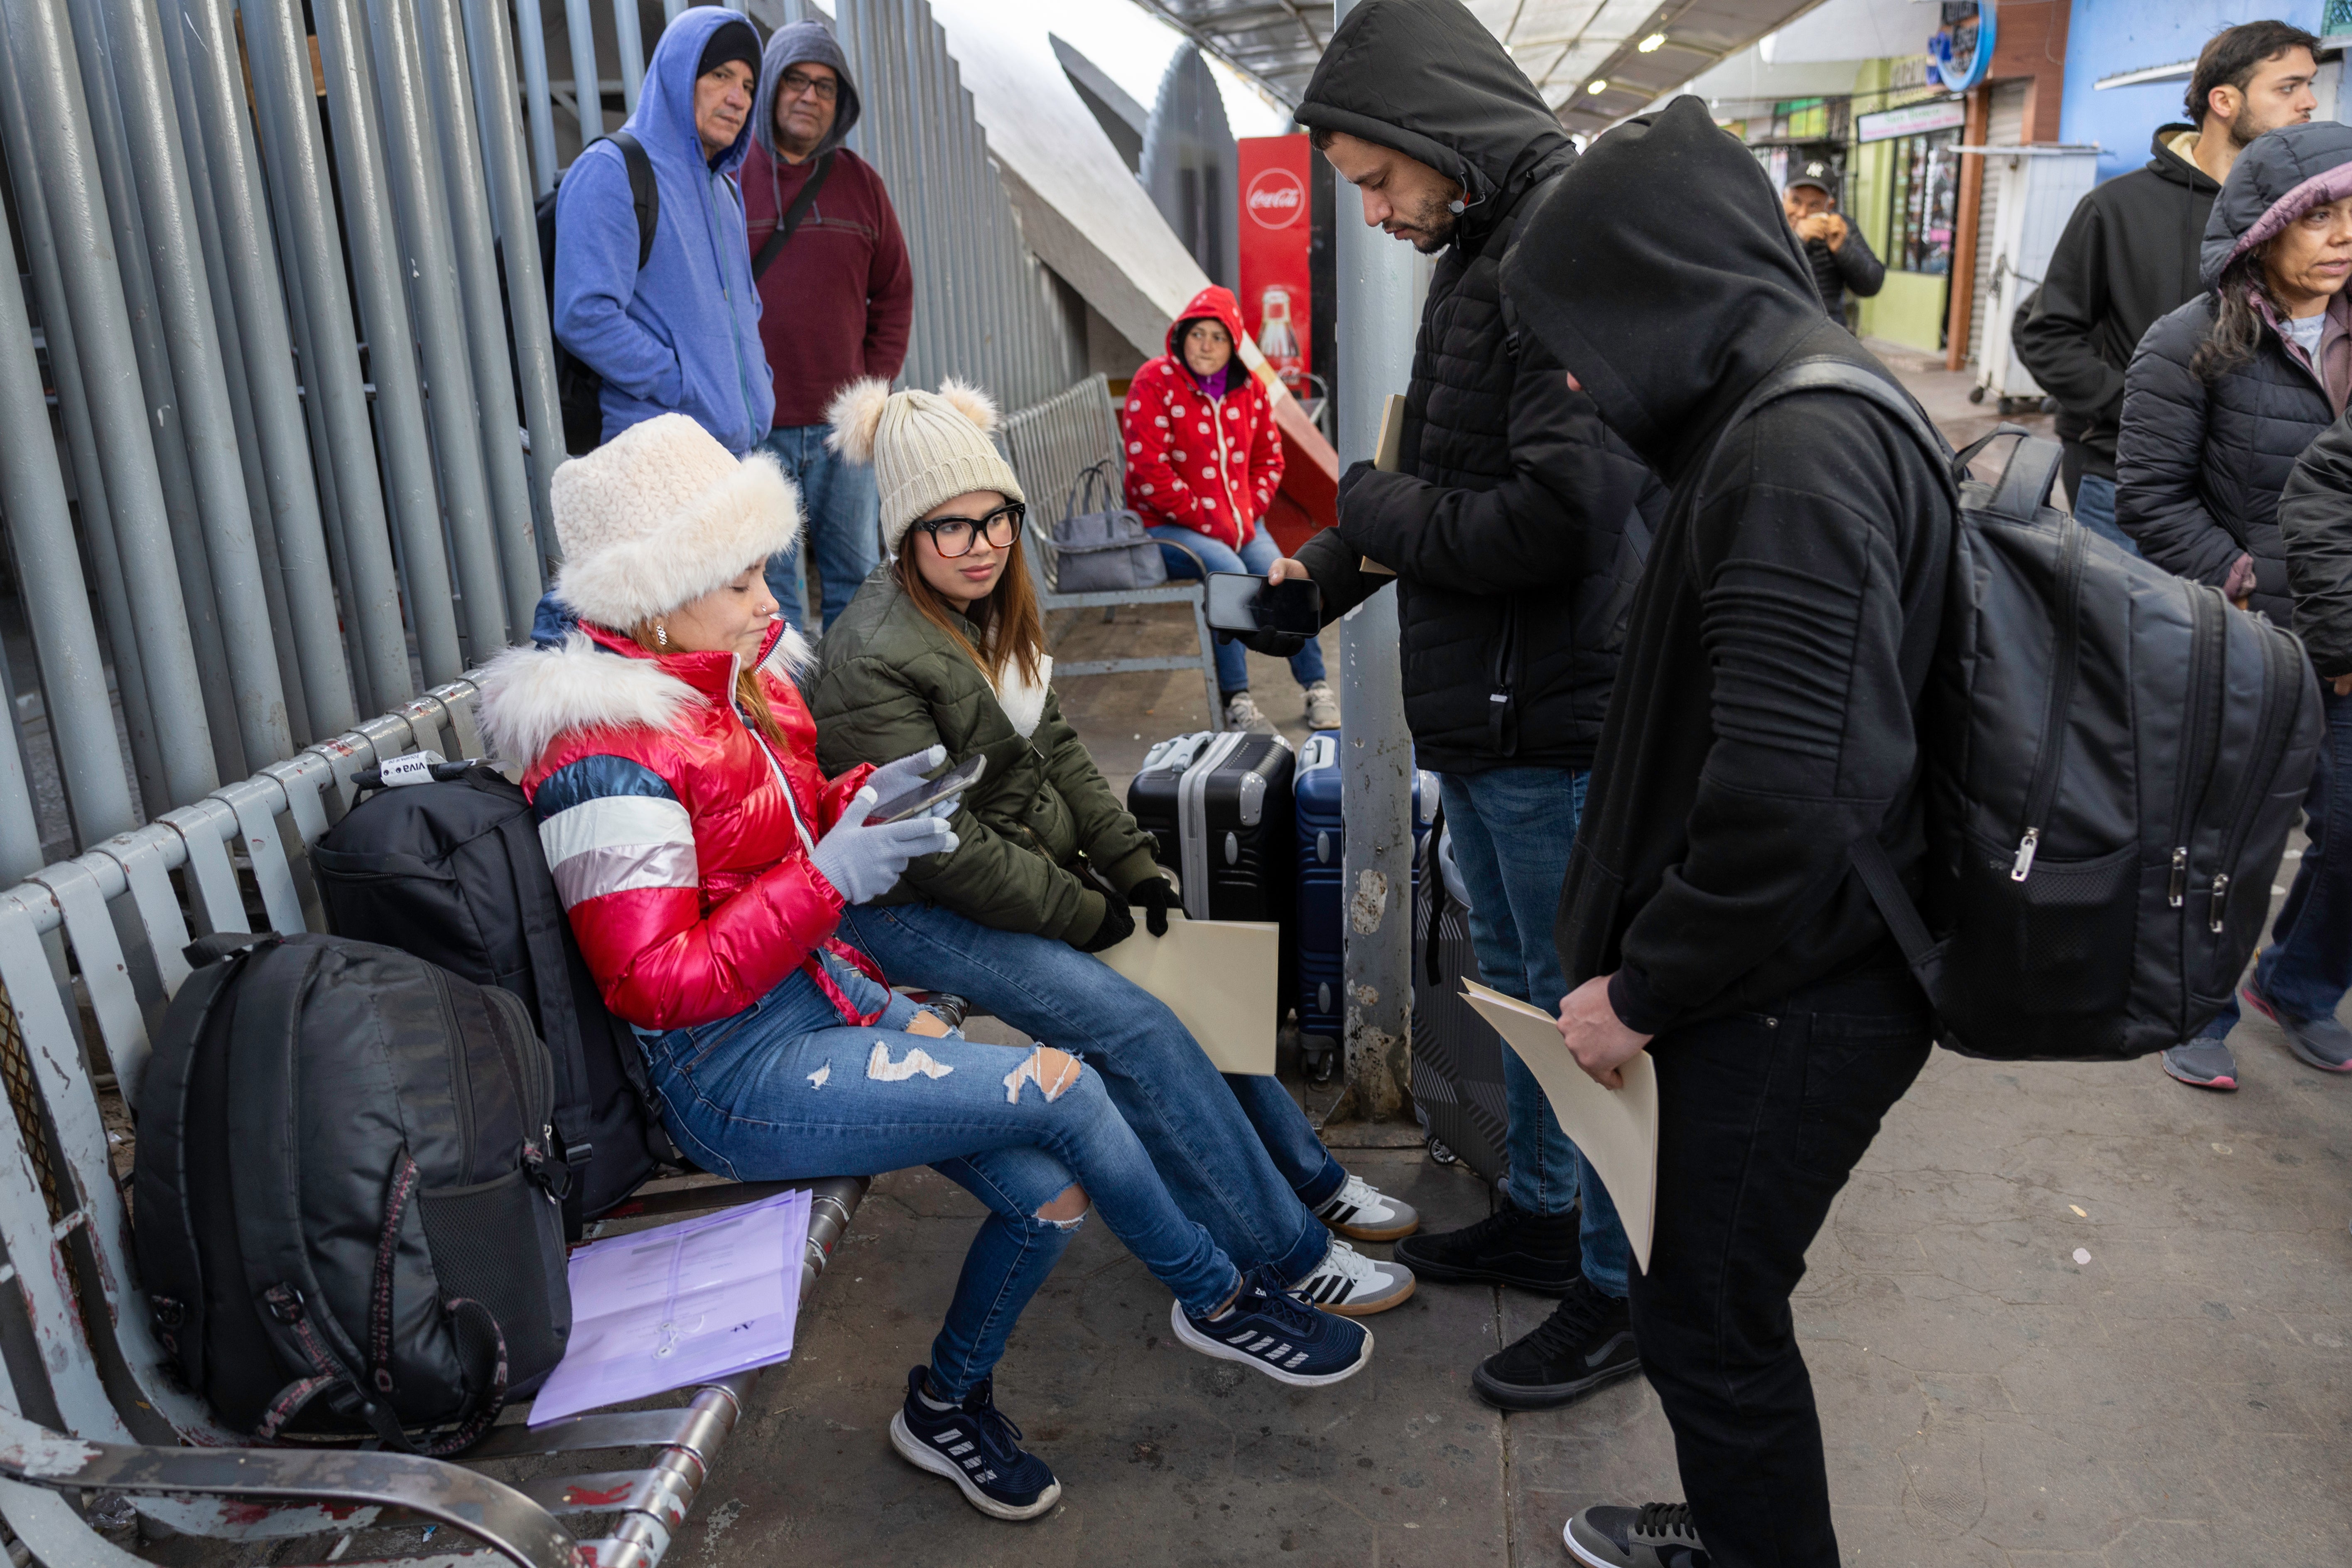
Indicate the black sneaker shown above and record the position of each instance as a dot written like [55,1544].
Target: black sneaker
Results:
[1654,1535]
[1588,1341]
[1279,1334]
[1509,1246]
[976,1446]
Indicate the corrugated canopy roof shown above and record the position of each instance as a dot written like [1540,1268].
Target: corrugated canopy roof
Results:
[1564,45]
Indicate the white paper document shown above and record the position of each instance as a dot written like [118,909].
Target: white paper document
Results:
[1223,979]
[1617,1129]
[680,1304]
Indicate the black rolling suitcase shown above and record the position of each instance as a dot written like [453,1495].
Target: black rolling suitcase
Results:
[1218,806]
[1457,1058]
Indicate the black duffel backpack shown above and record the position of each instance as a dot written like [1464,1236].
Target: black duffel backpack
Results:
[347,1209]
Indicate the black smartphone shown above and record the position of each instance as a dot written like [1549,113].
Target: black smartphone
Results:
[1245,602]
[928,792]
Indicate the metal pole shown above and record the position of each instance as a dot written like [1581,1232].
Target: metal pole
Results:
[68,182]
[33,497]
[513,525]
[216,86]
[374,257]
[631,39]
[85,38]
[1375,344]
[672,10]
[144,91]
[412,143]
[82,444]
[304,205]
[534,336]
[587,95]
[530,31]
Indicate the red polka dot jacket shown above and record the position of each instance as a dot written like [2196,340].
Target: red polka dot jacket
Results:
[1211,465]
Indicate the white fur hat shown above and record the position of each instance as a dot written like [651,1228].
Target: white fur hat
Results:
[926,447]
[662,514]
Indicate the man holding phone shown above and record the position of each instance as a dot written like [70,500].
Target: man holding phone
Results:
[1516,527]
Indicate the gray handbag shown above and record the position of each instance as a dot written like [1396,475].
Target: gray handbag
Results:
[1100,547]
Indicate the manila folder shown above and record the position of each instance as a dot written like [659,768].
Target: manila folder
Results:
[1617,1129]
[1223,979]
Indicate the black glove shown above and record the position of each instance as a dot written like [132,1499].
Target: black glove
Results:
[1155,896]
[1117,926]
[1352,478]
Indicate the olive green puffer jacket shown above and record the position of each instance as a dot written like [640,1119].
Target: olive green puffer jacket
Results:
[890,683]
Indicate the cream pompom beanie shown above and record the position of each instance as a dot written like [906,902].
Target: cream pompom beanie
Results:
[662,514]
[926,447]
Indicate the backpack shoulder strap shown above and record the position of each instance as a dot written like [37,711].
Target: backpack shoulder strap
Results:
[792,217]
[643,190]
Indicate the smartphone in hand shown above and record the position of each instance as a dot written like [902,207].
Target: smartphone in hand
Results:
[928,792]
[1243,602]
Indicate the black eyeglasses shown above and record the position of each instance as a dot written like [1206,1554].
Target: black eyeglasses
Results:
[953,536]
[794,84]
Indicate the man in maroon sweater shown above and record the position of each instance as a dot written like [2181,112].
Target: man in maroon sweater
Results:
[836,299]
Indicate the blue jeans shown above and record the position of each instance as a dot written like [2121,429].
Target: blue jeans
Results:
[843,527]
[780,1091]
[2307,968]
[1236,1153]
[1257,554]
[2094,509]
[1533,814]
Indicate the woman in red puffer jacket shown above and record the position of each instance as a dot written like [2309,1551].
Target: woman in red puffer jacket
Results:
[1204,461]
[705,859]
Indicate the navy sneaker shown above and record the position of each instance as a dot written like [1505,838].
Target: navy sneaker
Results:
[1654,1535]
[977,1447]
[1279,1334]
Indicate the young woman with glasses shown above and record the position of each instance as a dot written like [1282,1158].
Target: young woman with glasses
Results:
[943,646]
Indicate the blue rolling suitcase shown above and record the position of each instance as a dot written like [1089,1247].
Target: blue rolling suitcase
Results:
[1322,836]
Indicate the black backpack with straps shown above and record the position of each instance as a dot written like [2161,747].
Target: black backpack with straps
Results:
[346,1210]
[2111,758]
[579,390]
[453,872]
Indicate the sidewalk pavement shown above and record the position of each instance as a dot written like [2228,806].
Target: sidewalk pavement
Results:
[2062,1316]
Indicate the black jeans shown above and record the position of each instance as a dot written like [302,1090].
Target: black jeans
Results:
[1761,1117]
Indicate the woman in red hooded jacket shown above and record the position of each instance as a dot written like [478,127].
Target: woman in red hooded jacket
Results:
[705,860]
[1204,460]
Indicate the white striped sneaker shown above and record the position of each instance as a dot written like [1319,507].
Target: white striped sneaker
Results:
[1362,1210]
[1352,1285]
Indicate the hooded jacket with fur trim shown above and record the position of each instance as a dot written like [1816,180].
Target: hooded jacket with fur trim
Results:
[1209,464]
[893,679]
[679,838]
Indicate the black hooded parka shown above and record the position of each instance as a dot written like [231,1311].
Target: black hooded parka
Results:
[1763,716]
[2200,465]
[1507,525]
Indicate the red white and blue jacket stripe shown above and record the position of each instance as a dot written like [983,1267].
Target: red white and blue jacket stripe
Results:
[679,838]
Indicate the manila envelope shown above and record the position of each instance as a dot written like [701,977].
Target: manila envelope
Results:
[1221,978]
[1617,1129]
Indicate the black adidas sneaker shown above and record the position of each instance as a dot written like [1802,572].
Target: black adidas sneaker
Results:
[1274,1330]
[977,1447]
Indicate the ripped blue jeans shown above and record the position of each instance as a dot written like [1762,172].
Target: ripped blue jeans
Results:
[782,1091]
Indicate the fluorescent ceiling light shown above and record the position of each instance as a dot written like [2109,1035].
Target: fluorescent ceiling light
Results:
[1650,44]
[1596,85]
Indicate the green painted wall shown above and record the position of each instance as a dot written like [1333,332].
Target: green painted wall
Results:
[1908,311]
[1911,308]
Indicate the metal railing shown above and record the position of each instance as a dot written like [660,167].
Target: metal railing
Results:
[299,485]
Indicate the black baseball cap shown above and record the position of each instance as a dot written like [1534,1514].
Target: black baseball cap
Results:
[1816,173]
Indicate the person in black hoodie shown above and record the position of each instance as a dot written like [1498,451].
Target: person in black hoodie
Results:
[2128,255]
[1515,527]
[1763,724]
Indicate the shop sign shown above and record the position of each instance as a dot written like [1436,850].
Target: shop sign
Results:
[1277,221]
[1911,119]
[1959,53]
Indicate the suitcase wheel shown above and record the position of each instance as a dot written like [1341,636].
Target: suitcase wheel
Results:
[1439,1153]
[1320,1055]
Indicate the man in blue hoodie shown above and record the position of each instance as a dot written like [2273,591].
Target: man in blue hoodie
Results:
[680,335]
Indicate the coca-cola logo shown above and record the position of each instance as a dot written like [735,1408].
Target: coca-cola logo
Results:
[1276,199]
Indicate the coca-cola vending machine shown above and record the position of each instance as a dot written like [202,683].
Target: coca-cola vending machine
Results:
[1277,222]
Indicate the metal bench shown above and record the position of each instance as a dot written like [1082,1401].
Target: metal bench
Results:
[1049,445]
[95,943]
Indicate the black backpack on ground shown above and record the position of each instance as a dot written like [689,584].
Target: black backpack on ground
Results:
[346,1210]
[578,389]
[453,872]
[2113,757]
